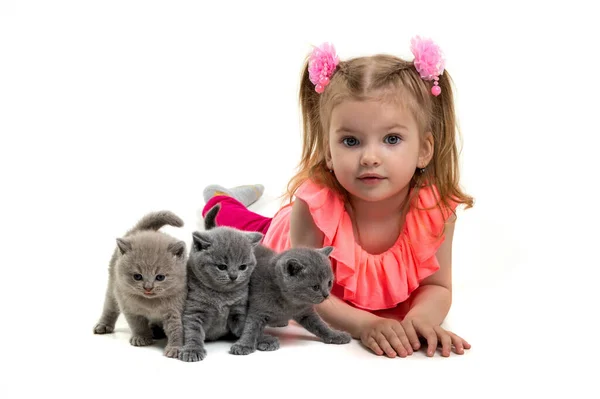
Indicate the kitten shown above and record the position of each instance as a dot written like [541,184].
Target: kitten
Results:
[286,286]
[220,264]
[147,282]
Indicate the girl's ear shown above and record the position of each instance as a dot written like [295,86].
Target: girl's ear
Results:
[328,160]
[426,151]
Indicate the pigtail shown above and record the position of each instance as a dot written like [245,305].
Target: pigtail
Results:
[311,120]
[313,164]
[444,167]
[312,134]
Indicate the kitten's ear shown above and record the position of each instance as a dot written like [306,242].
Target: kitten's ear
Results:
[177,248]
[201,240]
[326,250]
[124,245]
[293,267]
[210,219]
[254,238]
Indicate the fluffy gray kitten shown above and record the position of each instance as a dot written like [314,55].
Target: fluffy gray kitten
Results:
[220,264]
[147,282]
[286,286]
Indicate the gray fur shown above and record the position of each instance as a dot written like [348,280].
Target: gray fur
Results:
[286,286]
[217,299]
[210,219]
[145,251]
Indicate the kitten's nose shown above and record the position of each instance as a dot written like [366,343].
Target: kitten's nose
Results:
[148,288]
[233,277]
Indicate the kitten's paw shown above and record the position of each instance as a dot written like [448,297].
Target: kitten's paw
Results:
[192,354]
[338,338]
[102,328]
[172,352]
[137,340]
[237,349]
[268,343]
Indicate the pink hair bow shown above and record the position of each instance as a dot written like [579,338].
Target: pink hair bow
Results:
[322,63]
[429,61]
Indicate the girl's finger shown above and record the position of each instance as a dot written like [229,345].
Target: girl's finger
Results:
[445,339]
[373,345]
[394,340]
[403,338]
[411,334]
[431,338]
[457,342]
[466,345]
[385,345]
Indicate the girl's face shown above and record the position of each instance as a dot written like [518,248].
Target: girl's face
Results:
[375,148]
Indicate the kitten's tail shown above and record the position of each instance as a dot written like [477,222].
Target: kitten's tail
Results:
[156,220]
[210,219]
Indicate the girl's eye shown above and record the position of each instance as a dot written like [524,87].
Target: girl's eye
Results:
[222,267]
[350,141]
[243,267]
[160,277]
[392,140]
[315,288]
[137,277]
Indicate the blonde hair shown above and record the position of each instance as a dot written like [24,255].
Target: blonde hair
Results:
[359,79]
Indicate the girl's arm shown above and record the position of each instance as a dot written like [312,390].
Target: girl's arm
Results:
[340,315]
[303,230]
[305,233]
[430,303]
[432,300]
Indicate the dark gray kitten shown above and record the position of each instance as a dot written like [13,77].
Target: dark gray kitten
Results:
[219,268]
[147,282]
[286,286]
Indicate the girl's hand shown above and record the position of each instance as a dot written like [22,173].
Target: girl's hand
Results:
[386,336]
[415,327]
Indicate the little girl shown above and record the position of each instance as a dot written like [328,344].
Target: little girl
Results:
[378,181]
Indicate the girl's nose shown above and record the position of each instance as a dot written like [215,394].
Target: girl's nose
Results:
[370,158]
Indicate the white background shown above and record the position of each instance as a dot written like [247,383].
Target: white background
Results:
[112,109]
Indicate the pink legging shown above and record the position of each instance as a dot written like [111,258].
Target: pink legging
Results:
[234,214]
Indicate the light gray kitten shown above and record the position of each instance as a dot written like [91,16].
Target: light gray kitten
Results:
[147,282]
[219,268]
[286,286]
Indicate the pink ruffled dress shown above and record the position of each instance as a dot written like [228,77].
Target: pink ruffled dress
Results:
[369,281]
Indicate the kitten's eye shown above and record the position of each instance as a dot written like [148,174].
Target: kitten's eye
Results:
[160,277]
[222,267]
[243,267]
[330,283]
[316,288]
[137,277]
